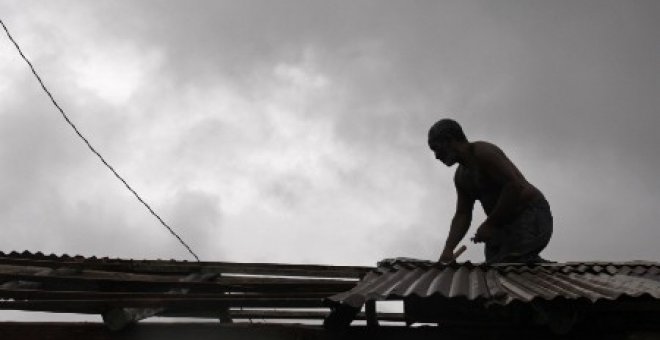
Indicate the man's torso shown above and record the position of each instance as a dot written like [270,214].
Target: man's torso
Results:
[478,184]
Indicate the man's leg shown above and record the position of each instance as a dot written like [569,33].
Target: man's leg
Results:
[533,229]
[524,238]
[495,250]
[541,233]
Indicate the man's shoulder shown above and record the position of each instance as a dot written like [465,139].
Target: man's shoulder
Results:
[486,150]
[484,147]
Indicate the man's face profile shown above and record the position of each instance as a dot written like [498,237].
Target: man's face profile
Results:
[443,152]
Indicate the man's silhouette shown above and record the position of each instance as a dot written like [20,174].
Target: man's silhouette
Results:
[518,224]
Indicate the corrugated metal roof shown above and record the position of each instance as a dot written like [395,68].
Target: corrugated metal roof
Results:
[502,284]
[178,267]
[78,284]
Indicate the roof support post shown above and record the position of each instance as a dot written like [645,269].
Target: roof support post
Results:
[372,315]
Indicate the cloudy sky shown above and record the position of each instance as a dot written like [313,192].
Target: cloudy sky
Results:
[295,131]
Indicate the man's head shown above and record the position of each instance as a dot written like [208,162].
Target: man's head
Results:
[443,137]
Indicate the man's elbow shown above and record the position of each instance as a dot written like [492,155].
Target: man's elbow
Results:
[462,217]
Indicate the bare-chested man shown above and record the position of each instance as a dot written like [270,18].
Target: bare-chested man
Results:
[518,224]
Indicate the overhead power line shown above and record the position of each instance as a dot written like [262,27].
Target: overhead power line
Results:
[66,118]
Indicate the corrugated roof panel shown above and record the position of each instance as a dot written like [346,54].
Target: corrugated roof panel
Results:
[514,289]
[494,286]
[505,283]
[419,287]
[460,283]
[408,281]
[441,283]
[563,285]
[478,286]
[387,283]
[655,271]
[619,285]
[125,289]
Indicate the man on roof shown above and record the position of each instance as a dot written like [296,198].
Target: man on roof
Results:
[518,225]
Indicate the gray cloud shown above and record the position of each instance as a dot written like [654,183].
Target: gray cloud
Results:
[300,121]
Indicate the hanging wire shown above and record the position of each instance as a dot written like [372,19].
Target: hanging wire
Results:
[66,118]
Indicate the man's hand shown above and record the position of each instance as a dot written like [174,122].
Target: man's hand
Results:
[446,257]
[484,233]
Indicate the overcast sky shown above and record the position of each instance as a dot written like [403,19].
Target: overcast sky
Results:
[295,131]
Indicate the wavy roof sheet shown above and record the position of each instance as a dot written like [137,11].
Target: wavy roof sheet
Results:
[125,290]
[504,283]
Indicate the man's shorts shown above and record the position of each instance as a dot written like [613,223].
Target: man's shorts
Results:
[521,240]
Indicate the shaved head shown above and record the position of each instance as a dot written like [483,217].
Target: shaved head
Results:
[446,129]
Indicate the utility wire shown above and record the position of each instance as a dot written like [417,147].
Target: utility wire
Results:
[92,148]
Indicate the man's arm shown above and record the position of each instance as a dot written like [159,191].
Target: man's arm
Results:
[461,221]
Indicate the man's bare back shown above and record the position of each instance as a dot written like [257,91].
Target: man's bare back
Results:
[488,176]
[518,223]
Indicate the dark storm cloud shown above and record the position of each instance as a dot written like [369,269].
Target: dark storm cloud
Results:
[568,89]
